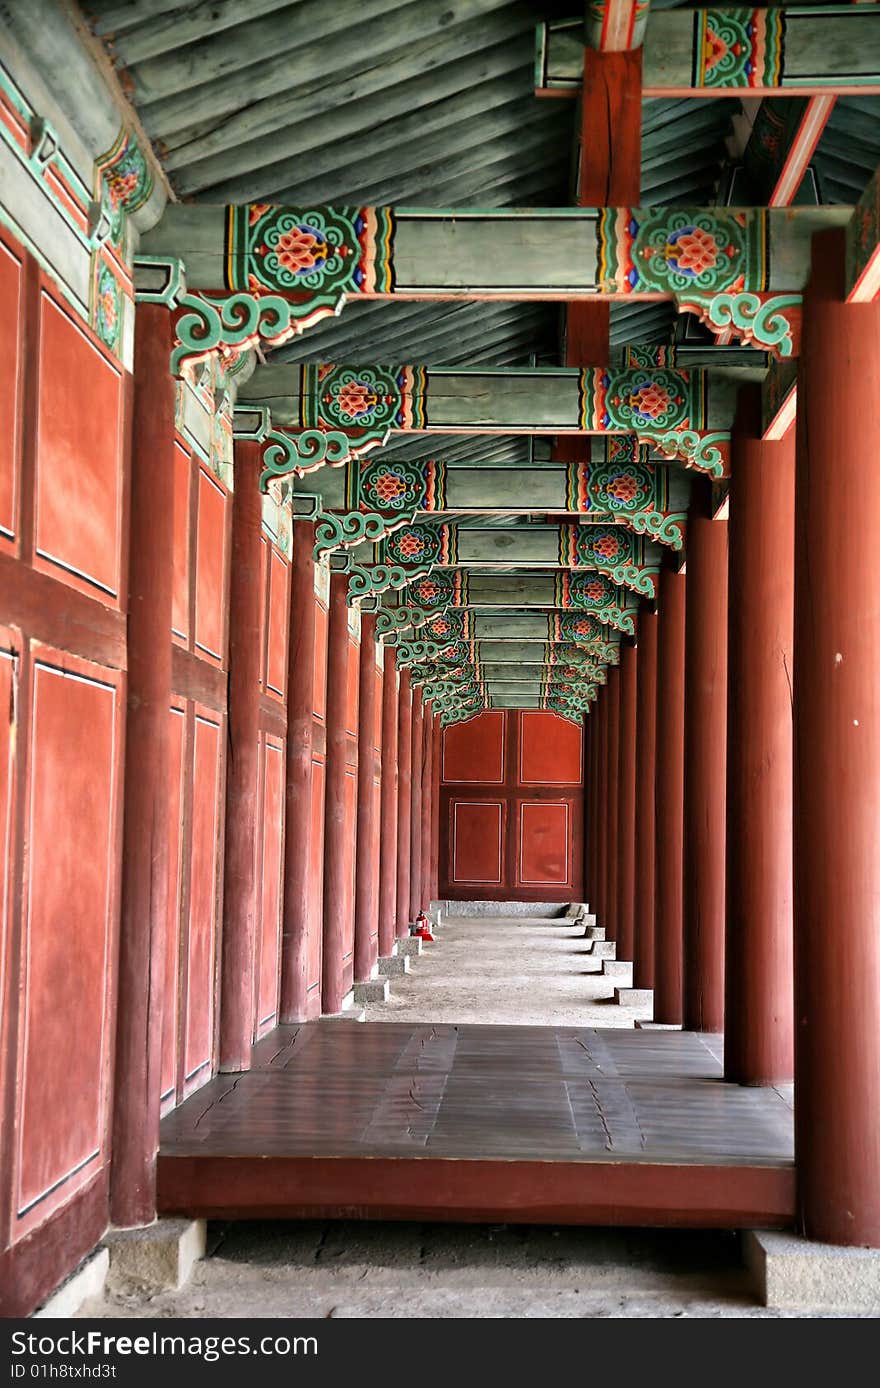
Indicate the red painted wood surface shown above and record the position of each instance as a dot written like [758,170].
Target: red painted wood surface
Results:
[759,980]
[304,839]
[837,761]
[626,803]
[366,882]
[267,970]
[669,799]
[645,825]
[511,808]
[63,478]
[340,815]
[415,840]
[705,747]
[610,801]
[404,800]
[388,808]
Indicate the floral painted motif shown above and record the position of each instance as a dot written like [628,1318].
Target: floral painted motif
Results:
[668,250]
[125,181]
[320,249]
[433,591]
[363,397]
[591,590]
[655,399]
[739,48]
[108,307]
[413,544]
[605,545]
[622,487]
[392,486]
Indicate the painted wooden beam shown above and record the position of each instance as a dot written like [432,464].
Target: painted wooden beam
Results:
[784,137]
[731,52]
[546,253]
[614,26]
[325,414]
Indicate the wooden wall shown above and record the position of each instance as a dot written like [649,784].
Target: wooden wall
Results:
[511,808]
[63,566]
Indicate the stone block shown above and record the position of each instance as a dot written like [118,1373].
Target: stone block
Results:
[394,965]
[162,1255]
[594,932]
[617,968]
[634,997]
[348,1014]
[373,990]
[604,949]
[659,1026]
[410,946]
[791,1273]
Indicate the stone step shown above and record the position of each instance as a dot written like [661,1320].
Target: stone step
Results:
[659,1026]
[594,932]
[373,990]
[604,949]
[618,968]
[351,1014]
[634,997]
[394,965]
[410,945]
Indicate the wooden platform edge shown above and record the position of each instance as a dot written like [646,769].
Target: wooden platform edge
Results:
[665,1195]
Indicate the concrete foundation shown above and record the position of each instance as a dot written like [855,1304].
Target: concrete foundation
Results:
[160,1256]
[618,968]
[410,946]
[548,910]
[394,965]
[790,1273]
[374,990]
[86,1282]
[634,997]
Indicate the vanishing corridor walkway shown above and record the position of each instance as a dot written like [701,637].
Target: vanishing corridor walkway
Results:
[517,971]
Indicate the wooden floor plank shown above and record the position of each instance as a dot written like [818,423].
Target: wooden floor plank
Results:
[471,1122]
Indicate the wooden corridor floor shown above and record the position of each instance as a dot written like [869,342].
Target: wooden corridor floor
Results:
[401,1120]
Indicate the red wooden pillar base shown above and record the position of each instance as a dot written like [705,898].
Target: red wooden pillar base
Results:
[388,808]
[669,799]
[837,761]
[645,826]
[242,774]
[705,740]
[366,897]
[415,823]
[404,801]
[145,916]
[758,1022]
[626,802]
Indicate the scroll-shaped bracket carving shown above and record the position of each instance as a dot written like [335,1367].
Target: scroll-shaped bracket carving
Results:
[238,321]
[696,448]
[768,321]
[378,578]
[341,530]
[309,449]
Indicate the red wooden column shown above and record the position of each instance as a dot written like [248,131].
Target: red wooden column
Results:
[404,801]
[837,761]
[601,805]
[415,824]
[705,741]
[301,906]
[758,1015]
[612,783]
[366,894]
[427,802]
[626,802]
[645,827]
[588,813]
[435,809]
[338,838]
[669,800]
[242,779]
[145,865]
[388,808]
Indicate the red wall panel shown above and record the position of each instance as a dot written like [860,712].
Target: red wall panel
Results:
[12,299]
[276,646]
[320,657]
[180,604]
[170,1015]
[270,885]
[68,927]
[511,800]
[477,841]
[202,932]
[475,751]
[550,750]
[316,845]
[544,844]
[79,484]
[211,587]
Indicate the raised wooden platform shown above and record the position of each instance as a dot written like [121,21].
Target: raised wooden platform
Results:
[388,1120]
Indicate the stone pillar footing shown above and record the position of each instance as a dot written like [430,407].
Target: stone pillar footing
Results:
[394,965]
[792,1273]
[594,932]
[618,968]
[659,1026]
[634,997]
[604,949]
[161,1256]
[350,1014]
[372,990]
[410,946]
